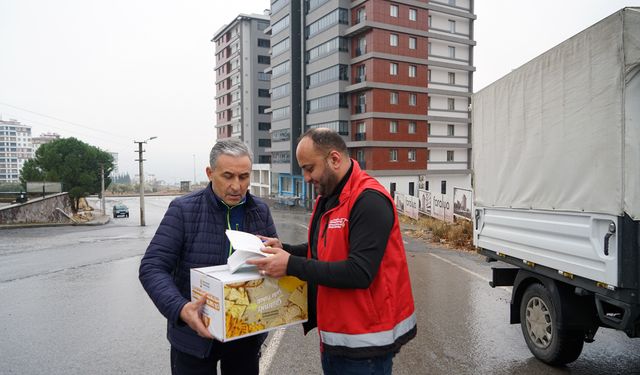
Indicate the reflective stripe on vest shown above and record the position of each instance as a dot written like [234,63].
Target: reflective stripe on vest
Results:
[370,339]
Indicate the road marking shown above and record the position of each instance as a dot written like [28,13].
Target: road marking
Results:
[468,271]
[270,351]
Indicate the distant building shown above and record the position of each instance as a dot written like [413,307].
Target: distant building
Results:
[42,139]
[15,149]
[242,86]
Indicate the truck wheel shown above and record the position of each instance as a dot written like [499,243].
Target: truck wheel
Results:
[539,322]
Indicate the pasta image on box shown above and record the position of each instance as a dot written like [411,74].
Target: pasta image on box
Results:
[244,303]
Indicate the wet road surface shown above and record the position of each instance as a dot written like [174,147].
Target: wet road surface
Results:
[71,303]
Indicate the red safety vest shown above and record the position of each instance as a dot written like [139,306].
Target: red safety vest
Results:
[363,322]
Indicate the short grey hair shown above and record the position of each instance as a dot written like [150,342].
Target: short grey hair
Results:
[229,146]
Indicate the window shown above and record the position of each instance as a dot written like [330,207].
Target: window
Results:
[262,25]
[280,91]
[393,99]
[361,106]
[262,76]
[361,127]
[361,73]
[452,26]
[334,73]
[313,4]
[429,103]
[264,126]
[451,104]
[429,21]
[452,52]
[412,71]
[280,69]
[361,15]
[393,69]
[264,43]
[450,155]
[451,130]
[411,155]
[277,5]
[280,113]
[339,15]
[263,93]
[362,46]
[340,127]
[264,59]
[280,25]
[393,10]
[413,99]
[393,126]
[429,75]
[262,108]
[264,142]
[327,102]
[429,48]
[443,187]
[412,127]
[413,14]
[280,47]
[393,40]
[393,155]
[413,42]
[327,48]
[452,78]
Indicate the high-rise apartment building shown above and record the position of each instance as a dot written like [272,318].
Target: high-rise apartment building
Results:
[43,139]
[15,149]
[242,86]
[393,77]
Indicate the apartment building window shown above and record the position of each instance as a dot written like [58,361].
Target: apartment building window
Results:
[393,69]
[429,48]
[339,15]
[450,155]
[262,76]
[443,187]
[451,104]
[428,159]
[361,128]
[452,52]
[429,75]
[327,102]
[280,47]
[393,40]
[412,71]
[264,93]
[280,25]
[413,42]
[393,10]
[413,99]
[393,155]
[393,126]
[280,113]
[451,130]
[361,73]
[265,126]
[360,155]
[429,21]
[452,26]
[413,14]
[280,69]
[277,5]
[264,59]
[411,155]
[313,4]
[340,127]
[264,43]
[334,73]
[429,103]
[452,78]
[361,107]
[393,98]
[411,129]
[262,109]
[280,91]
[264,142]
[362,46]
[262,25]
[361,15]
[327,48]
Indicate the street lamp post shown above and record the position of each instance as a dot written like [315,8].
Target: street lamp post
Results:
[141,171]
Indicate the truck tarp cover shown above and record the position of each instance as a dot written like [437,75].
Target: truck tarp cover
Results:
[562,132]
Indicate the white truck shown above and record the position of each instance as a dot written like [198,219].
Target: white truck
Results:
[556,177]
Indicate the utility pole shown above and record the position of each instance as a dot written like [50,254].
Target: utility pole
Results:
[104,209]
[141,169]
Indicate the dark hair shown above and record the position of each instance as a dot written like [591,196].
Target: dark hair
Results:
[326,140]
[228,146]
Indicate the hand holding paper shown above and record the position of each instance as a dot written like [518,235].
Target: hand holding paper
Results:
[245,246]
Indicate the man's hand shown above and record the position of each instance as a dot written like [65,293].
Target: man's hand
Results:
[274,265]
[270,242]
[191,314]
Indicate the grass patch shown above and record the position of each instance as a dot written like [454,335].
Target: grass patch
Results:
[458,234]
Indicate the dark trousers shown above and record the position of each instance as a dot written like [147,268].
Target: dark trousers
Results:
[338,365]
[237,357]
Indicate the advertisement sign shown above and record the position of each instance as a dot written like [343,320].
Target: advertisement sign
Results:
[399,198]
[442,207]
[424,198]
[411,206]
[462,199]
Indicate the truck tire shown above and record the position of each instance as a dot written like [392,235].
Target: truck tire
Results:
[539,322]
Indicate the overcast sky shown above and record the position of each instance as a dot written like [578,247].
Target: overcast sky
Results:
[111,72]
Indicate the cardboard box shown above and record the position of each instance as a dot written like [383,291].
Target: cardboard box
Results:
[244,303]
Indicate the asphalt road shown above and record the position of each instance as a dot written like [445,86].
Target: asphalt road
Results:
[71,303]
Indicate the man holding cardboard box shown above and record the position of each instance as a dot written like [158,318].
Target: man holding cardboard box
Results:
[355,265]
[192,235]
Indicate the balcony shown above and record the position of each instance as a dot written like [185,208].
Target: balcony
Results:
[361,108]
[360,137]
[361,50]
[361,78]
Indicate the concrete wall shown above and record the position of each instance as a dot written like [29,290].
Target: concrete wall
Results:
[38,210]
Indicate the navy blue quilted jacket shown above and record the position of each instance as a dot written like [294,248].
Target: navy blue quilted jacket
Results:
[191,235]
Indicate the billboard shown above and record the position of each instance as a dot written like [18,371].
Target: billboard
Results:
[411,206]
[462,199]
[424,199]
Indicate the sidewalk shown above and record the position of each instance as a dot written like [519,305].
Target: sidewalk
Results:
[97,219]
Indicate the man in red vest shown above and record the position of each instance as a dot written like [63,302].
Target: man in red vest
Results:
[354,262]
